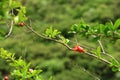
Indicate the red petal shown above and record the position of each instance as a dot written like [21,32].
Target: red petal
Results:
[75,48]
[80,49]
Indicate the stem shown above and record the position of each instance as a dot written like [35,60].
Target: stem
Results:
[101,59]
[112,58]
[48,38]
[39,35]
[89,73]
[10,30]
[103,51]
[76,39]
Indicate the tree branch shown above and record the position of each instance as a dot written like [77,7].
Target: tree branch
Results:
[48,38]
[10,30]
[101,59]
[103,51]
[100,43]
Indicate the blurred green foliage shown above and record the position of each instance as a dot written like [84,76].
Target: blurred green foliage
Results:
[54,59]
[19,69]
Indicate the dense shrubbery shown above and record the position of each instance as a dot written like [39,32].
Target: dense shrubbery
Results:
[51,57]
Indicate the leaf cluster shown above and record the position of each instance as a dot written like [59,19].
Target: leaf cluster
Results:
[21,70]
[13,11]
[108,30]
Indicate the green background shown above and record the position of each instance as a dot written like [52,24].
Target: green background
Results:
[53,58]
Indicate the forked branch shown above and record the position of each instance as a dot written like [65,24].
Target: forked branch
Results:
[66,45]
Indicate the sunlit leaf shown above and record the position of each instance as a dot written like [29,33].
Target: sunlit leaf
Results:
[109,25]
[117,24]
[52,33]
[51,78]
[98,51]
[114,69]
[114,63]
[102,28]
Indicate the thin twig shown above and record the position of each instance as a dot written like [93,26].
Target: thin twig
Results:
[76,39]
[89,73]
[39,35]
[92,55]
[100,43]
[103,51]
[10,30]
[93,75]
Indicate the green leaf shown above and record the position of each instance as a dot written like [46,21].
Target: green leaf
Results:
[15,4]
[102,28]
[98,51]
[114,69]
[95,38]
[82,24]
[106,30]
[49,31]
[10,2]
[67,41]
[72,32]
[80,28]
[52,33]
[16,19]
[114,63]
[109,25]
[21,14]
[116,24]
[16,73]
[55,33]
[119,69]
[74,28]
[51,78]
[64,39]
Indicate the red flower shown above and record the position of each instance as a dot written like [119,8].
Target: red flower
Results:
[78,49]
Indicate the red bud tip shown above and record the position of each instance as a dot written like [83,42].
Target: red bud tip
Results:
[6,78]
[21,24]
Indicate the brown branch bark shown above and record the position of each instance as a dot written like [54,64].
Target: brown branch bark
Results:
[48,38]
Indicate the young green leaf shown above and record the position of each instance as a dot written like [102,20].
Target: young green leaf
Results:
[101,28]
[109,25]
[115,69]
[55,33]
[51,78]
[74,28]
[114,63]
[10,2]
[64,39]
[52,33]
[98,51]
[117,24]
[49,31]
